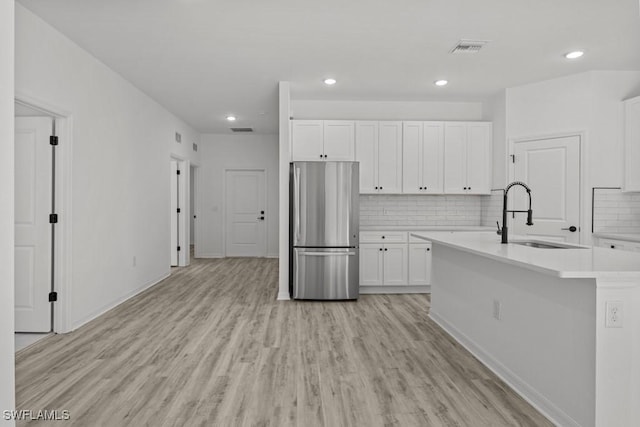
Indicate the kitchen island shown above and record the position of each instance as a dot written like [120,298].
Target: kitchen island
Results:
[561,326]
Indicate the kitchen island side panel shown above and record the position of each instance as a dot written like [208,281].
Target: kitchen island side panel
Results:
[535,331]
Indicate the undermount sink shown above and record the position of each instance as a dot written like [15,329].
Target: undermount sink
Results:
[546,245]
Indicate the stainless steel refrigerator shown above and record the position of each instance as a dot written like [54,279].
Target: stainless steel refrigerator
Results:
[324,236]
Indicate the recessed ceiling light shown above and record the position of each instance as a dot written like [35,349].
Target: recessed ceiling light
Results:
[574,55]
[231,118]
[329,82]
[440,82]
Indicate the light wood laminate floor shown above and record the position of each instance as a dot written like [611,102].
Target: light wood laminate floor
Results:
[210,346]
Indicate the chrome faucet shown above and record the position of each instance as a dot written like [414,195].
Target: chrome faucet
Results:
[505,230]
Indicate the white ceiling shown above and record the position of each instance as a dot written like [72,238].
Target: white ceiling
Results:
[204,59]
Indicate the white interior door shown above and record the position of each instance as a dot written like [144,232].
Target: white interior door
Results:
[32,228]
[551,168]
[174,213]
[245,213]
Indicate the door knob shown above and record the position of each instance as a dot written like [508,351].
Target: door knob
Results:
[261,218]
[261,212]
[572,229]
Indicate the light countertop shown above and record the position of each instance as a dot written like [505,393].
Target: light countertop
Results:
[583,262]
[618,236]
[425,228]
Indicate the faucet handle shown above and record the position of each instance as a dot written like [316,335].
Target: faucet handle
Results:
[499,232]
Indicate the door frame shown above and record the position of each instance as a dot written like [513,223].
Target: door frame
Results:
[63,261]
[265,244]
[183,196]
[196,205]
[583,184]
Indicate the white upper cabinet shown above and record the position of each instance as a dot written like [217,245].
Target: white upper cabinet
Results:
[379,151]
[631,180]
[455,158]
[390,157]
[467,157]
[339,142]
[479,156]
[367,155]
[423,152]
[308,140]
[318,140]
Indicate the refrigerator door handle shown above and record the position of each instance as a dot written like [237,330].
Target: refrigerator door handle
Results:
[296,195]
[327,253]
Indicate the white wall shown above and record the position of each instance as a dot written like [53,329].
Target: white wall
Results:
[121,142]
[385,110]
[284,150]
[587,102]
[220,152]
[7,394]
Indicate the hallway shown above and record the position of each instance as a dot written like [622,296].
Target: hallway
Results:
[210,345]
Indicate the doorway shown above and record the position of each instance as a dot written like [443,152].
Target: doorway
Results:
[42,196]
[245,213]
[551,168]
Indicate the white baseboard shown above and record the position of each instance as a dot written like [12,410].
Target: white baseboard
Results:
[209,256]
[272,256]
[284,296]
[75,325]
[528,393]
[367,290]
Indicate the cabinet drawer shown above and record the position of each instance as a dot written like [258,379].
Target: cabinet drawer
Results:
[383,237]
[615,244]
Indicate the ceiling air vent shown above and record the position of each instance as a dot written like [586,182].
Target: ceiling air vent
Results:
[241,129]
[469,46]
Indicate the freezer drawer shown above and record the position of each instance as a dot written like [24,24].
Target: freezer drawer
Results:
[325,274]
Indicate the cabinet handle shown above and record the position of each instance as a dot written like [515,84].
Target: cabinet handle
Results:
[320,155]
[383,237]
[380,249]
[376,188]
[381,188]
[613,246]
[325,156]
[469,188]
[420,188]
[428,249]
[385,249]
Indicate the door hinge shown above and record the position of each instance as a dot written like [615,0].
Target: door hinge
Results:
[53,140]
[178,210]
[178,248]
[513,158]
[53,218]
[178,172]
[53,296]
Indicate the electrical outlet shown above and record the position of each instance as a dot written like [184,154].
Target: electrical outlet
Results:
[613,313]
[496,309]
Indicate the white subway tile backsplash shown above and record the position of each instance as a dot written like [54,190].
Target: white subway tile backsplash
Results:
[616,212]
[420,210]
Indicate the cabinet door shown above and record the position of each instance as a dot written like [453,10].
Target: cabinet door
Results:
[371,256]
[614,244]
[390,157]
[367,155]
[432,157]
[339,140]
[412,157]
[455,158]
[395,264]
[631,180]
[307,139]
[420,264]
[479,156]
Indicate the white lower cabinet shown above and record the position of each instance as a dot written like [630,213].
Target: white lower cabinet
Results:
[390,259]
[419,264]
[383,264]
